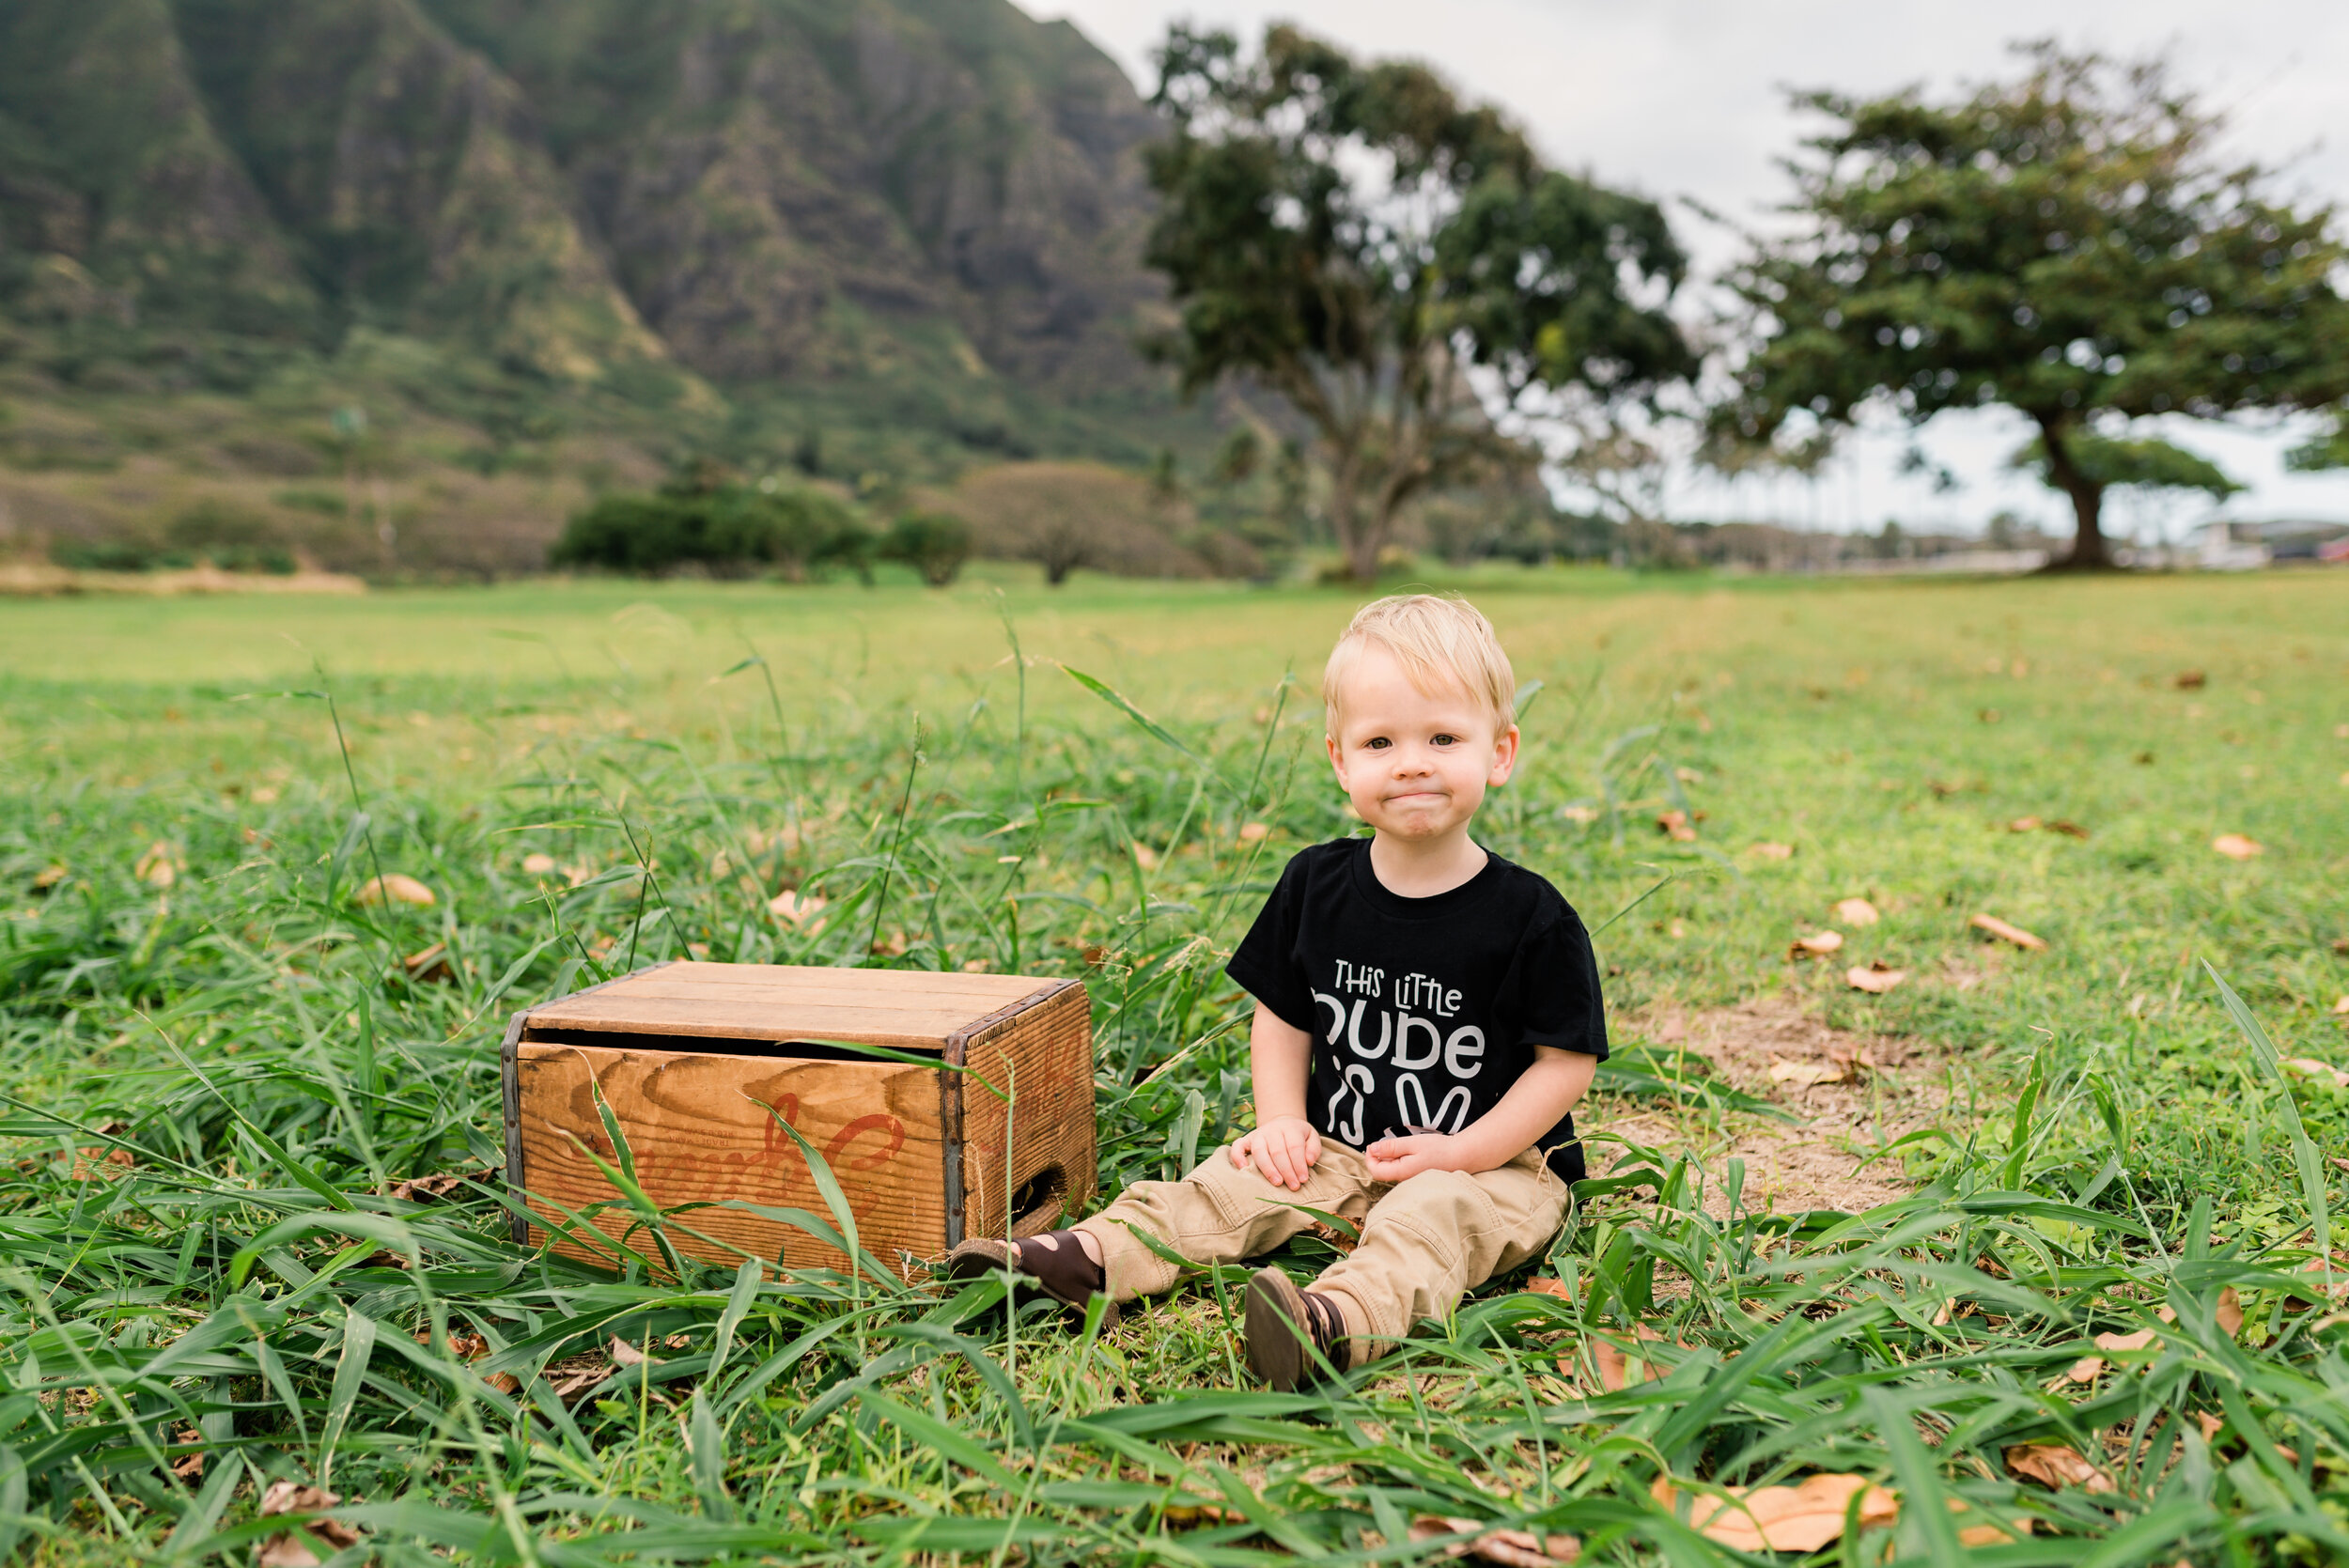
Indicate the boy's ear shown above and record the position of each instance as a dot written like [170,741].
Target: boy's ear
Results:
[1337,757]
[1505,757]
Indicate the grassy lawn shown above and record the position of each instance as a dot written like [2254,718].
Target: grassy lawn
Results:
[195,790]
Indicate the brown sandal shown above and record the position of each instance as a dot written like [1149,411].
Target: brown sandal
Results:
[1285,1326]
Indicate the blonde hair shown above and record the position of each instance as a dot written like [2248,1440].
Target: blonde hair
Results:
[1442,642]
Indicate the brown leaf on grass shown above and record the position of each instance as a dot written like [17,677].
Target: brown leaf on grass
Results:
[2209,1424]
[1876,979]
[2238,847]
[575,1378]
[301,1547]
[1992,1531]
[188,1467]
[1769,851]
[2023,825]
[537,864]
[2308,1067]
[1808,1075]
[891,946]
[1145,857]
[1800,1518]
[504,1382]
[100,1162]
[425,1189]
[627,1355]
[1677,827]
[1858,912]
[48,877]
[1816,945]
[381,1258]
[2005,932]
[395,887]
[2341,1008]
[2069,829]
[1191,1516]
[792,905]
[1545,1285]
[2190,680]
[158,867]
[2138,1340]
[1512,1548]
[1254,833]
[2054,1466]
[429,964]
[2230,1311]
[1944,787]
[1614,1367]
[2086,1370]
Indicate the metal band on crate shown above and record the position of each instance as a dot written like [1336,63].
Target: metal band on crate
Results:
[950,1095]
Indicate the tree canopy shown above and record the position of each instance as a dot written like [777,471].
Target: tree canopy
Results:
[1360,241]
[2069,245]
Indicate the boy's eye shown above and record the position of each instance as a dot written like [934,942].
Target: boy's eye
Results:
[1377,742]
[1447,740]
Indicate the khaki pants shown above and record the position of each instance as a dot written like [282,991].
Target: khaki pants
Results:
[1424,1242]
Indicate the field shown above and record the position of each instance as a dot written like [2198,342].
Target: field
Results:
[221,1064]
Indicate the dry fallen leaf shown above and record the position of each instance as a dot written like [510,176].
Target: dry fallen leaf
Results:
[627,1355]
[537,864]
[2230,1312]
[1800,1519]
[48,877]
[1767,851]
[2138,1340]
[2015,934]
[429,964]
[1816,945]
[1858,912]
[1876,979]
[1993,1531]
[395,887]
[2069,829]
[1676,826]
[2236,848]
[1513,1548]
[425,1189]
[301,1547]
[2190,680]
[576,1376]
[1190,1515]
[2023,825]
[2052,1464]
[100,1162]
[158,867]
[1145,857]
[1254,833]
[2086,1370]
[891,946]
[1545,1285]
[793,906]
[1614,1367]
[2341,1008]
[1811,1074]
[2307,1066]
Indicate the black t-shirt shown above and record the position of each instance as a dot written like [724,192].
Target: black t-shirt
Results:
[1422,1010]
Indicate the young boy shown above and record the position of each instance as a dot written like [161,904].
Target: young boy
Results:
[1428,1016]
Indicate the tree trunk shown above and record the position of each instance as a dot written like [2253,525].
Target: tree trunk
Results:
[1359,541]
[2088,498]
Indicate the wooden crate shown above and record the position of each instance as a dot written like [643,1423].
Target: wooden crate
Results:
[689,1056]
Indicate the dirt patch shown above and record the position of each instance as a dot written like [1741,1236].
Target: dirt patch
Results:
[1851,1093]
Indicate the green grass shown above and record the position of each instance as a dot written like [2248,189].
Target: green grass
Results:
[2116,1143]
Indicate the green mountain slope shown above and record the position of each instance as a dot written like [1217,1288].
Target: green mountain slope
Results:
[882,238]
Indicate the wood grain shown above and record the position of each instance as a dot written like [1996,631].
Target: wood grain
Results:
[1046,1054]
[899,1007]
[698,1135]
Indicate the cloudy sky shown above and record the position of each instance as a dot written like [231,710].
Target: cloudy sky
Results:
[1685,98]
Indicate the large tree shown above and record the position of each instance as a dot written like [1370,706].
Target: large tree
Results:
[1357,239]
[2070,245]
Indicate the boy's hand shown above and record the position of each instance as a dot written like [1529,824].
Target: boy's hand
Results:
[1282,1149]
[1395,1159]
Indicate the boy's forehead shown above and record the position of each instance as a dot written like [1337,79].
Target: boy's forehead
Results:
[1375,676]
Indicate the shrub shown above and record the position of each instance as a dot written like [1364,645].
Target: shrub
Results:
[932,543]
[730,530]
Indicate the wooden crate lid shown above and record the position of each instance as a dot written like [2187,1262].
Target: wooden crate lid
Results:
[908,1009]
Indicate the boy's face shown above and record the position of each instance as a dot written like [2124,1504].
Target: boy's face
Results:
[1416,765]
